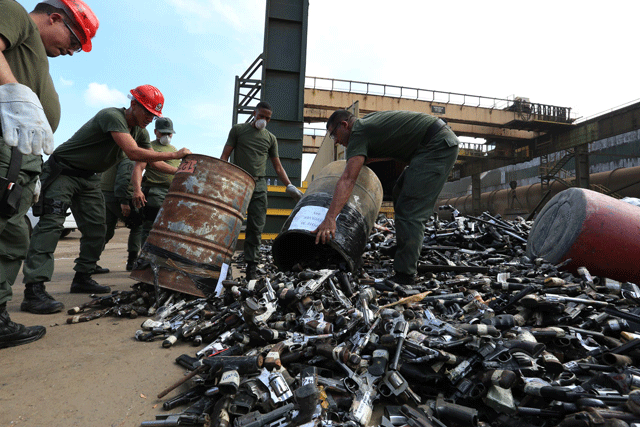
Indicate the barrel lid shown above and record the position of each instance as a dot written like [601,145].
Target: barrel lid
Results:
[558,225]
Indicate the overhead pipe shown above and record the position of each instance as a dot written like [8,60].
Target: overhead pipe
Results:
[622,181]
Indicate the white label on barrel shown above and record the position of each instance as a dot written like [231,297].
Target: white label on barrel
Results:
[308,218]
[223,275]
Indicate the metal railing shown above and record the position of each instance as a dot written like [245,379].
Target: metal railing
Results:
[472,148]
[553,112]
[602,113]
[475,148]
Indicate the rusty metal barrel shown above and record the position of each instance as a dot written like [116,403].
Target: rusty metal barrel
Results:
[296,243]
[196,230]
[593,230]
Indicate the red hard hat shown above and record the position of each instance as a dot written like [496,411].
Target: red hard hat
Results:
[85,19]
[150,97]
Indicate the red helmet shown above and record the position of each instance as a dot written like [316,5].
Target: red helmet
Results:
[85,19]
[150,98]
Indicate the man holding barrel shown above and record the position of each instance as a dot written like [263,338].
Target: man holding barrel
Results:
[71,179]
[423,141]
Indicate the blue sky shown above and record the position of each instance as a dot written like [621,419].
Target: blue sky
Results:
[572,53]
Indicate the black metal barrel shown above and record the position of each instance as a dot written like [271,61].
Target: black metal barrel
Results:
[296,243]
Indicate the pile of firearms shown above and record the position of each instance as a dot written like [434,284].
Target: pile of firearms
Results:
[486,336]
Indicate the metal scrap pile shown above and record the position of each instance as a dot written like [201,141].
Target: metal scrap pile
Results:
[485,337]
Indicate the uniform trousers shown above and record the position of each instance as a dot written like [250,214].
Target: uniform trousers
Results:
[155,196]
[416,193]
[85,198]
[14,231]
[256,219]
[113,213]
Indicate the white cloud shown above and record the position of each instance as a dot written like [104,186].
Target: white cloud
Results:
[207,115]
[228,13]
[208,124]
[206,16]
[99,95]
[65,82]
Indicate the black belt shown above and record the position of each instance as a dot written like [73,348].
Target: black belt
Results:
[70,171]
[433,129]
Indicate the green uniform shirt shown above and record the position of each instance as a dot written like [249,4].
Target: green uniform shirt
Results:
[29,64]
[394,134]
[252,147]
[92,148]
[154,178]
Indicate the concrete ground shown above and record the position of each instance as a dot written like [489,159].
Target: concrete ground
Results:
[87,374]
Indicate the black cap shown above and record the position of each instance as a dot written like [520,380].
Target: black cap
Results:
[164,125]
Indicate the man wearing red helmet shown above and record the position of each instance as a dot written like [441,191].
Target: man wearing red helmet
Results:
[29,113]
[71,179]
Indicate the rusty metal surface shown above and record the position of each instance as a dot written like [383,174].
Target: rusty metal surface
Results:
[198,223]
[168,279]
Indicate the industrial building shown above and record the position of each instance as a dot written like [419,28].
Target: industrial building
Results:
[517,153]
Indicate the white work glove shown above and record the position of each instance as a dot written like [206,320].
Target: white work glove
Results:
[24,124]
[36,191]
[294,192]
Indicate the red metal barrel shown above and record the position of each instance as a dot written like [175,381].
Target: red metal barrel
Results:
[593,230]
[197,227]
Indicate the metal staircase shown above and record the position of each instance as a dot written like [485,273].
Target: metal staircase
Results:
[548,170]
[604,190]
[247,91]
[549,173]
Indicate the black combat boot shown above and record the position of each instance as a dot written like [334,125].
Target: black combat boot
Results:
[251,272]
[402,283]
[100,270]
[84,284]
[402,279]
[131,260]
[37,300]
[12,334]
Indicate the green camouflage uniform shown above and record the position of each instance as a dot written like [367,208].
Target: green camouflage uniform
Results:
[28,61]
[251,149]
[91,150]
[401,136]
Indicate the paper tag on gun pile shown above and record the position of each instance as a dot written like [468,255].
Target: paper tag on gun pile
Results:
[308,218]
[223,275]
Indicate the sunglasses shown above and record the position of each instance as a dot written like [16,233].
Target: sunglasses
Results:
[75,45]
[332,135]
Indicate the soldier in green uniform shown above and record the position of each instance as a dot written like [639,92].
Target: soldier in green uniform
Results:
[149,191]
[118,196]
[70,178]
[252,144]
[29,105]
[423,141]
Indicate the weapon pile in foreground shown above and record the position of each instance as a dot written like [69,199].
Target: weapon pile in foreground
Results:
[486,336]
